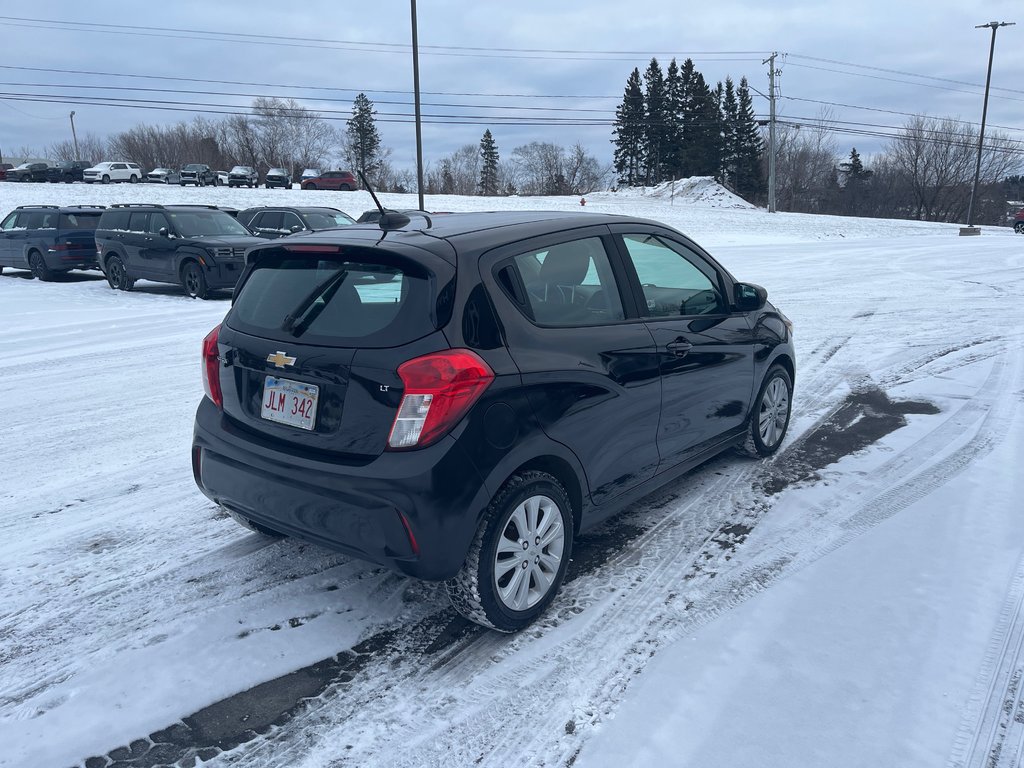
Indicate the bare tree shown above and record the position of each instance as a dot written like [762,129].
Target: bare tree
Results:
[937,158]
[90,148]
[805,166]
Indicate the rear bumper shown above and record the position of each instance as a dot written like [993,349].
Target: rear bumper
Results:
[84,259]
[413,511]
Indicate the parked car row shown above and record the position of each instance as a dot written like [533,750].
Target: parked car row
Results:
[196,174]
[200,247]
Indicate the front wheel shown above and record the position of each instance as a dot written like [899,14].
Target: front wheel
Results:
[133,179]
[770,416]
[1019,227]
[518,557]
[194,281]
[106,179]
[310,186]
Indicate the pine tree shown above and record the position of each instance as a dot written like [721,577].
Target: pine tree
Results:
[488,165]
[749,178]
[629,133]
[702,131]
[683,98]
[672,150]
[654,122]
[730,118]
[854,184]
[363,150]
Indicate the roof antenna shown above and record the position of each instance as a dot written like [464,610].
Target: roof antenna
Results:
[389,220]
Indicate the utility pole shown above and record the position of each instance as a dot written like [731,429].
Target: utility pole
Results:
[772,72]
[416,99]
[984,113]
[74,135]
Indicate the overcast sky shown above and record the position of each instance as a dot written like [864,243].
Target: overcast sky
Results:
[860,53]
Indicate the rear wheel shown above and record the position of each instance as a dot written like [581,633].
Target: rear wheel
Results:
[518,557]
[194,281]
[770,416]
[38,266]
[117,275]
[133,179]
[1019,227]
[310,186]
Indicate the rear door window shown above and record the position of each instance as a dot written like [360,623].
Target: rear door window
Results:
[79,220]
[361,298]
[139,222]
[569,284]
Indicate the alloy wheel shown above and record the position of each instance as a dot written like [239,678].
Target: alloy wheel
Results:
[529,553]
[774,412]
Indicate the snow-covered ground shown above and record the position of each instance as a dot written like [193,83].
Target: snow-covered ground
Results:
[855,601]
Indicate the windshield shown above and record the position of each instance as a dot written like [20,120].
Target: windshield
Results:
[327,219]
[25,165]
[241,169]
[192,167]
[205,224]
[277,172]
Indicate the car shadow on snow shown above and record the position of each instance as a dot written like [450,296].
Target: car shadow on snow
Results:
[863,418]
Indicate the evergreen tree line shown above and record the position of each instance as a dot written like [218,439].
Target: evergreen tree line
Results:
[673,125]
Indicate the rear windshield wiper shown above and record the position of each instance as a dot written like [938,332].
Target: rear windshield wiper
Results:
[326,289]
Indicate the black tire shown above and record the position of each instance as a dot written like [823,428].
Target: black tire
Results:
[345,188]
[38,266]
[489,590]
[770,415]
[133,179]
[106,179]
[310,186]
[117,275]
[1019,227]
[194,281]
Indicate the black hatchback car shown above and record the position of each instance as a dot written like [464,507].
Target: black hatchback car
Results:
[456,402]
[271,222]
[49,240]
[200,247]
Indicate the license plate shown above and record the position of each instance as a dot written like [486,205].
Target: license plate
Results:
[290,402]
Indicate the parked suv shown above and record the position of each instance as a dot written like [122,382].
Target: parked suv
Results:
[278,177]
[456,402]
[108,172]
[67,172]
[271,222]
[28,172]
[343,180]
[162,176]
[48,239]
[198,174]
[4,168]
[200,247]
[243,176]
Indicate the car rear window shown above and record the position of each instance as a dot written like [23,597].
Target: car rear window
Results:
[79,220]
[359,298]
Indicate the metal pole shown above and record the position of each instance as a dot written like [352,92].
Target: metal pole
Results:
[74,135]
[770,61]
[984,113]
[416,99]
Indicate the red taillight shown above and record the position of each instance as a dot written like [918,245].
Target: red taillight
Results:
[439,389]
[211,368]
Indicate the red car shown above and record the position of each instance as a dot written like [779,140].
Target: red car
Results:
[4,168]
[1018,222]
[343,180]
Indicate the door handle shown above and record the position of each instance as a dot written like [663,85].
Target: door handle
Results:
[679,347]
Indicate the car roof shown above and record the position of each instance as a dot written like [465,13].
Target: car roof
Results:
[63,208]
[476,231]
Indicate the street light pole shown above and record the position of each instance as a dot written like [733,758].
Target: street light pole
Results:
[984,113]
[74,135]
[416,100]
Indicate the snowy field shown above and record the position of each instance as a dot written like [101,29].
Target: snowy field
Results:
[854,601]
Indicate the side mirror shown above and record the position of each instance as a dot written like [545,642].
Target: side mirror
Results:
[163,232]
[295,228]
[749,297]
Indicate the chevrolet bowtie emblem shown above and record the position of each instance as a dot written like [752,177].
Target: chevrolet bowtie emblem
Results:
[280,359]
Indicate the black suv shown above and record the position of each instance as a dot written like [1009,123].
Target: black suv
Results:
[243,176]
[68,171]
[200,247]
[48,239]
[278,177]
[457,400]
[198,174]
[28,172]
[271,222]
